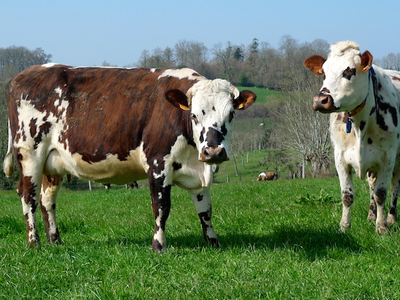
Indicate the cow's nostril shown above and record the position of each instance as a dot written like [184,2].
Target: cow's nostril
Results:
[214,155]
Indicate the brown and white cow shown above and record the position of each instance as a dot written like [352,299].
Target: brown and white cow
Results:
[364,102]
[267,176]
[115,125]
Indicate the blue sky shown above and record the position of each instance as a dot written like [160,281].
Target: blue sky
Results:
[86,33]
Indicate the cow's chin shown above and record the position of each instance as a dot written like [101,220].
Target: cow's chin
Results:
[211,155]
[214,162]
[326,111]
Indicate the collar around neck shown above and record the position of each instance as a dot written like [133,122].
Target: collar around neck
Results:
[362,104]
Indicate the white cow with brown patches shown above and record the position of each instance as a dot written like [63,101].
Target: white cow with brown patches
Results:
[114,125]
[266,176]
[364,102]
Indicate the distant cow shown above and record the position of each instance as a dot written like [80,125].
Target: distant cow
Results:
[114,125]
[267,176]
[364,102]
[131,185]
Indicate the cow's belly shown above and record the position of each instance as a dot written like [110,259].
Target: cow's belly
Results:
[365,159]
[110,170]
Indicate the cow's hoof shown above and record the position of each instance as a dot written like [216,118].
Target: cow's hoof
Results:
[391,219]
[214,242]
[344,226]
[381,229]
[34,244]
[158,247]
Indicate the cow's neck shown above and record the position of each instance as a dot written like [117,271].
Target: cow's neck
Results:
[359,116]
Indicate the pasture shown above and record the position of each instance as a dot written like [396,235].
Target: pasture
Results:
[280,240]
[263,95]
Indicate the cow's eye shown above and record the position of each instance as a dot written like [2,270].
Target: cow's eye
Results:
[193,117]
[349,72]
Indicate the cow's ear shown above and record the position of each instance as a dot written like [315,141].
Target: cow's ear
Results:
[244,100]
[314,64]
[366,61]
[177,98]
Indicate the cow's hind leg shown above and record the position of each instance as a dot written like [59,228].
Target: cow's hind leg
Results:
[50,187]
[392,215]
[28,190]
[202,203]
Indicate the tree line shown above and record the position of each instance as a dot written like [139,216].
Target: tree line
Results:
[257,64]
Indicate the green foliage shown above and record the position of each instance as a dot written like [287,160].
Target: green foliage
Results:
[321,199]
[244,80]
[272,247]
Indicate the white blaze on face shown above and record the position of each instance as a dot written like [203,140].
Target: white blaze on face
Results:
[347,93]
[212,110]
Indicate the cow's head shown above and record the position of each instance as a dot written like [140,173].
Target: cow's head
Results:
[212,104]
[345,73]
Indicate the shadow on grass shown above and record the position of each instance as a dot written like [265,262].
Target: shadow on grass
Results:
[307,242]
[310,243]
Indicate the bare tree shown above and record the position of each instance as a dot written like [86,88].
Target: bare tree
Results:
[15,59]
[144,60]
[262,71]
[191,54]
[163,59]
[223,59]
[169,57]
[390,61]
[299,128]
[230,61]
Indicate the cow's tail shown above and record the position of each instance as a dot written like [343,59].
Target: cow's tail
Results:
[8,164]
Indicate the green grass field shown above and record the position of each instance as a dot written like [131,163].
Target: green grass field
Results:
[263,94]
[280,240]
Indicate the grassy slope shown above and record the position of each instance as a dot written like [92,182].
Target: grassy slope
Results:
[263,95]
[279,240]
[250,165]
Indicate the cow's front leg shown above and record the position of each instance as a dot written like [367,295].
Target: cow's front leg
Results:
[202,203]
[50,187]
[380,193]
[161,204]
[372,204]
[347,194]
[28,190]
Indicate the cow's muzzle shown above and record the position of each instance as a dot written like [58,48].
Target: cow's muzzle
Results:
[323,103]
[213,155]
